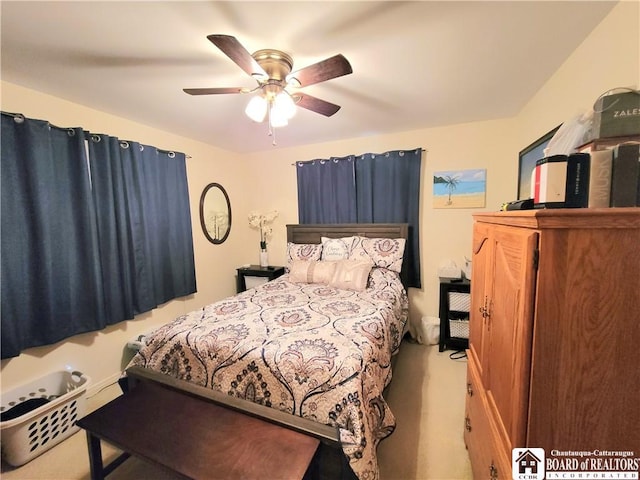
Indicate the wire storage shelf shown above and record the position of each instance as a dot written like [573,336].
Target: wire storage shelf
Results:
[28,435]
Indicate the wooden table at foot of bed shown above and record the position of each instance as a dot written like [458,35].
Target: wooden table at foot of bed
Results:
[194,437]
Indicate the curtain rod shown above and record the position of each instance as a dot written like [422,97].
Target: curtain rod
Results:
[360,155]
[171,151]
[19,117]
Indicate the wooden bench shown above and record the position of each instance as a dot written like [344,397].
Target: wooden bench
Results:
[194,436]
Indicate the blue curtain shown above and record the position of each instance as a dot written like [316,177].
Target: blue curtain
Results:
[51,281]
[327,191]
[369,188]
[87,241]
[167,220]
[148,259]
[388,191]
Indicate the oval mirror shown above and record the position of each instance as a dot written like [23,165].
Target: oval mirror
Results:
[215,213]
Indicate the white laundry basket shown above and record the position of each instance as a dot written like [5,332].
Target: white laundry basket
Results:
[25,437]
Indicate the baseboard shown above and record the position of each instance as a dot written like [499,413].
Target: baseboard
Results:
[95,388]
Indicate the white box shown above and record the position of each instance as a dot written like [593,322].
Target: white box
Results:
[549,181]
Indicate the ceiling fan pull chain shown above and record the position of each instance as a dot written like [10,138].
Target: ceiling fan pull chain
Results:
[272,129]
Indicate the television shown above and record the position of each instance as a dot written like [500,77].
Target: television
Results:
[527,162]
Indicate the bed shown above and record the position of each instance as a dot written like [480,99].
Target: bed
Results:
[312,347]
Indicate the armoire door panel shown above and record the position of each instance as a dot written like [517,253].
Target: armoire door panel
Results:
[509,326]
[587,346]
[479,295]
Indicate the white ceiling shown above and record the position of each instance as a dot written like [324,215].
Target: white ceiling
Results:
[415,64]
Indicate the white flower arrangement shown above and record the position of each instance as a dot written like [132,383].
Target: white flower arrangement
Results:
[263,223]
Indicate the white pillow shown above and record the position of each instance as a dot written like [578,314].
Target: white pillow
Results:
[336,248]
[385,252]
[303,251]
[351,275]
[302,271]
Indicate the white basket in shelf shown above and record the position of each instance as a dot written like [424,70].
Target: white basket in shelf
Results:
[459,301]
[25,437]
[459,328]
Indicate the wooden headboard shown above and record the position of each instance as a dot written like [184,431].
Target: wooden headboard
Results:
[312,233]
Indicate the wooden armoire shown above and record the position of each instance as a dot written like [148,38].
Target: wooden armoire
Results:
[554,347]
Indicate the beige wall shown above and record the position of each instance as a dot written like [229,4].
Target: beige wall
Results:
[608,58]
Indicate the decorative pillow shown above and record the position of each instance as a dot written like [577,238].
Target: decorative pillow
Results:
[385,252]
[336,248]
[303,271]
[351,275]
[357,252]
[303,251]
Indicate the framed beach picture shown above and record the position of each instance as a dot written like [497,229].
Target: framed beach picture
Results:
[459,188]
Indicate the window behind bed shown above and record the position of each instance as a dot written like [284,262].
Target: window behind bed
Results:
[368,188]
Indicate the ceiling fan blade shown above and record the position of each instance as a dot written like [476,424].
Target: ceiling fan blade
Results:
[333,67]
[315,104]
[214,91]
[233,49]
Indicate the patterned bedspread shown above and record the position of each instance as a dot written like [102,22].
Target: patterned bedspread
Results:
[306,349]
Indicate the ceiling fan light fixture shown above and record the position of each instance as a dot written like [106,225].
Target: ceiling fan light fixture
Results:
[293,82]
[272,70]
[284,105]
[277,120]
[257,108]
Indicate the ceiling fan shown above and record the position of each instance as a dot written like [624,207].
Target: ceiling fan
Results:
[277,95]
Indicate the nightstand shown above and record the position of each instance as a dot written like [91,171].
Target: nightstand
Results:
[455,303]
[253,275]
